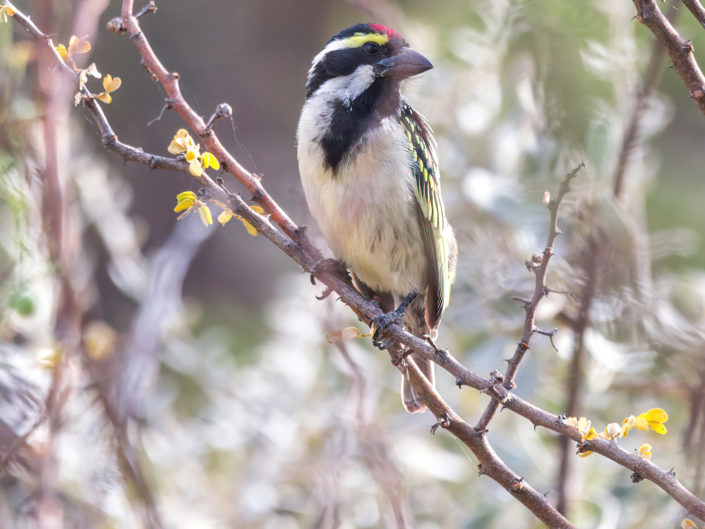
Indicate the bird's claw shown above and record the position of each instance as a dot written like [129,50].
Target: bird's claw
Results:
[381,323]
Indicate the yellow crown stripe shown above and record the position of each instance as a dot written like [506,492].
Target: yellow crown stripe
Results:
[358,39]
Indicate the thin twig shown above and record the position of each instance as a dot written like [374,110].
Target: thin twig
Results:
[539,265]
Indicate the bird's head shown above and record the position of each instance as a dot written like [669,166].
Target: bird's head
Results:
[361,54]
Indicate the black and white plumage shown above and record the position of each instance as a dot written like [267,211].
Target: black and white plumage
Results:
[369,170]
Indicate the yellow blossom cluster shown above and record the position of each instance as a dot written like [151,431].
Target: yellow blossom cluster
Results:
[188,201]
[183,143]
[653,419]
[78,46]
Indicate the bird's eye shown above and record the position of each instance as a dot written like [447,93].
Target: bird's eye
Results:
[371,48]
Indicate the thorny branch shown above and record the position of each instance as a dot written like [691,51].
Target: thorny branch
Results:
[294,244]
[538,265]
[590,258]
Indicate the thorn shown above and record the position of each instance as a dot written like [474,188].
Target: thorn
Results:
[523,301]
[481,470]
[568,293]
[672,473]
[459,383]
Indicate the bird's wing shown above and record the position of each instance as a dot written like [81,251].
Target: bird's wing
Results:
[432,217]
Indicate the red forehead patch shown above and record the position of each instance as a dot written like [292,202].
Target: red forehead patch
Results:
[379,28]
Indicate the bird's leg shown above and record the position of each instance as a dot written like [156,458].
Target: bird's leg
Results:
[381,323]
[330,265]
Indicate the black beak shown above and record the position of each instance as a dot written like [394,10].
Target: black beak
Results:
[404,64]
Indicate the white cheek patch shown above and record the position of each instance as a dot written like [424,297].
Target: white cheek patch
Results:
[348,87]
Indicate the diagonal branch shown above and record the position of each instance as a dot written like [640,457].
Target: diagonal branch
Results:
[697,9]
[679,50]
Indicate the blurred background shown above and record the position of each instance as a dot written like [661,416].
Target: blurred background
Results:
[158,373]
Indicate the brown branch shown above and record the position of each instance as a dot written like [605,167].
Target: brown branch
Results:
[538,265]
[170,82]
[490,463]
[291,243]
[679,50]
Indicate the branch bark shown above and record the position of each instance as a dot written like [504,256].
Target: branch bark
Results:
[679,50]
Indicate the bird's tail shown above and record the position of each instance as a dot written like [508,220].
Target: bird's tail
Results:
[415,322]
[411,401]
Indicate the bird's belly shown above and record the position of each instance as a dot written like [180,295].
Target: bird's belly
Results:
[367,214]
[380,242]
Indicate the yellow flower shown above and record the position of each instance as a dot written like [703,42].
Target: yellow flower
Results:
[645,451]
[185,201]
[195,166]
[183,143]
[76,47]
[582,424]
[110,84]
[205,213]
[630,422]
[227,214]
[655,418]
[687,523]
[612,431]
[208,160]
[6,11]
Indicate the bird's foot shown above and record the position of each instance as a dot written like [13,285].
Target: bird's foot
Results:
[381,323]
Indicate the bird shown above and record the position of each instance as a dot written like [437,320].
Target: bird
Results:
[369,171]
